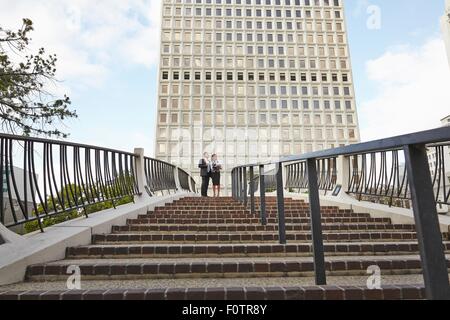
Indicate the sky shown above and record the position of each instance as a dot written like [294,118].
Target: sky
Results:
[108,53]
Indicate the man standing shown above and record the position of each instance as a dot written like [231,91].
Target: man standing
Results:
[205,173]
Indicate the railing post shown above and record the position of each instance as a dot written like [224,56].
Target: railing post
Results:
[191,187]
[316,223]
[236,184]
[140,169]
[238,177]
[232,183]
[244,178]
[240,185]
[280,204]
[262,195]
[343,172]
[432,254]
[252,191]
[176,175]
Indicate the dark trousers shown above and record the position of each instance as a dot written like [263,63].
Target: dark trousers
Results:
[205,185]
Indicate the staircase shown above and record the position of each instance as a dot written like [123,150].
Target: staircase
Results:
[204,248]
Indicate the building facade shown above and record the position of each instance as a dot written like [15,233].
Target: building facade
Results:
[252,80]
[441,162]
[445,23]
[19,175]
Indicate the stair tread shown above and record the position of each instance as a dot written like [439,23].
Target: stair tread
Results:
[414,279]
[99,261]
[249,244]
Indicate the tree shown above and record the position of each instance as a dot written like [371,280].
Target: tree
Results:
[26,107]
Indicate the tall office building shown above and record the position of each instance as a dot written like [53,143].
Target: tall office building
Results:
[253,80]
[445,23]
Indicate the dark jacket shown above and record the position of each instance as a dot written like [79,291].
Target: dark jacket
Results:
[204,168]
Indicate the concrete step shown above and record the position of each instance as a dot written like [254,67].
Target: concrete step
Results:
[246,250]
[214,248]
[249,237]
[244,215]
[186,221]
[257,228]
[220,267]
[399,292]
[240,209]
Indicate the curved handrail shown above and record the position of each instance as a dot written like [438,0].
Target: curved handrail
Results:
[45,179]
[371,169]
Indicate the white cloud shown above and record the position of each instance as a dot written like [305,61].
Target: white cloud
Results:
[413,91]
[90,37]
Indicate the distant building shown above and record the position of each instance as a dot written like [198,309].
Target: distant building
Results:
[435,163]
[253,80]
[445,23]
[19,179]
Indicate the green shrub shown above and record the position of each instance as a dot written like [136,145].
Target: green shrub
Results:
[73,214]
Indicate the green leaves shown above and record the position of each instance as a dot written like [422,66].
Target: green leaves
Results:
[25,105]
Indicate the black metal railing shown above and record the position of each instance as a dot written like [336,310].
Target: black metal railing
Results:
[270,182]
[374,168]
[45,182]
[297,178]
[379,177]
[160,176]
[184,178]
[193,188]
[44,178]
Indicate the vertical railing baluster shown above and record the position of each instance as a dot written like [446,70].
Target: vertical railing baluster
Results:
[13,179]
[252,191]
[316,223]
[232,184]
[280,204]
[262,195]
[25,194]
[53,177]
[32,191]
[432,254]
[244,178]
[240,185]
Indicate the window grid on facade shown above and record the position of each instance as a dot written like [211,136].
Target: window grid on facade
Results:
[252,80]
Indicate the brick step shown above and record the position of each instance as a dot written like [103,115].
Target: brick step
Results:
[398,292]
[246,212]
[250,220]
[248,250]
[238,205]
[234,208]
[251,228]
[153,268]
[248,215]
[230,199]
[224,200]
[249,237]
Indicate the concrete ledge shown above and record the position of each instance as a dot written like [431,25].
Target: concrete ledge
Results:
[17,253]
[344,201]
[7,236]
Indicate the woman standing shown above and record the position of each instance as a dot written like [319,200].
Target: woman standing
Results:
[216,167]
